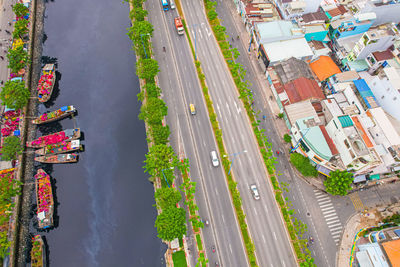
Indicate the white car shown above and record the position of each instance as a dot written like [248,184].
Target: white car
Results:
[214,158]
[254,191]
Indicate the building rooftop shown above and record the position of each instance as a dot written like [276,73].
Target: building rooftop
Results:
[277,30]
[282,50]
[392,249]
[375,254]
[301,110]
[385,124]
[310,28]
[339,10]
[292,69]
[302,89]
[314,16]
[383,55]
[324,67]
[358,65]
[347,76]
[366,93]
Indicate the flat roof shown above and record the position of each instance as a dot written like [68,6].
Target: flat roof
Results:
[324,67]
[275,30]
[282,50]
[392,249]
[300,110]
[386,126]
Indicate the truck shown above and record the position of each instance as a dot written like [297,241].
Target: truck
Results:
[179,25]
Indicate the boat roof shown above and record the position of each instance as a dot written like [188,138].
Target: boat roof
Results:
[48,67]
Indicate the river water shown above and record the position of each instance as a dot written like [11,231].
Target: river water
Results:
[105,212]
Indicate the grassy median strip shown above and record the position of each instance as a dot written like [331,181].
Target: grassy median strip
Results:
[161,159]
[237,201]
[295,227]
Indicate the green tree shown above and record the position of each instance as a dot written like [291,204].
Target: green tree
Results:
[287,138]
[4,244]
[158,158]
[20,10]
[11,148]
[153,111]
[14,94]
[152,90]
[147,68]
[170,223]
[138,13]
[17,58]
[303,165]
[140,31]
[339,182]
[167,197]
[160,133]
[20,28]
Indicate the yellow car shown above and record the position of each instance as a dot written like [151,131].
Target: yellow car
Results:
[192,109]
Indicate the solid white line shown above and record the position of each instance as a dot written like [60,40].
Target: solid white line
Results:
[328,208]
[329,211]
[330,215]
[274,235]
[330,219]
[331,222]
[326,205]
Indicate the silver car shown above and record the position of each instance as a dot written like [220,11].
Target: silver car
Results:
[254,191]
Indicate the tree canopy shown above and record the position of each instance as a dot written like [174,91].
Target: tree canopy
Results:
[339,182]
[147,68]
[160,133]
[20,10]
[14,94]
[17,58]
[11,148]
[20,28]
[171,223]
[153,111]
[158,158]
[303,165]
[167,197]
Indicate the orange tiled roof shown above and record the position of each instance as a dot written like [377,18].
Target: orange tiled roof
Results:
[364,135]
[324,67]
[392,249]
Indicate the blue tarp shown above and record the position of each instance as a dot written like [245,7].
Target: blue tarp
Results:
[366,93]
[17,133]
[65,108]
[397,232]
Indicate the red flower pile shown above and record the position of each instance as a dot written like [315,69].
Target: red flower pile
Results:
[44,193]
[45,83]
[11,123]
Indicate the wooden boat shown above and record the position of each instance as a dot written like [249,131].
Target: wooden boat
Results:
[60,158]
[66,135]
[46,83]
[38,252]
[62,147]
[54,115]
[44,199]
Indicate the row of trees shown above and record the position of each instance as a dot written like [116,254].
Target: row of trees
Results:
[161,159]
[14,95]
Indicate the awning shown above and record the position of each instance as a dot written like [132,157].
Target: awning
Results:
[323,170]
[374,177]
[359,179]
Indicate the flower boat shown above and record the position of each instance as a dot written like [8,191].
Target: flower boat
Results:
[60,158]
[44,198]
[62,147]
[46,83]
[38,252]
[66,135]
[54,115]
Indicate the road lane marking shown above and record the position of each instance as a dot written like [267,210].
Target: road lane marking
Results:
[263,238]
[274,235]
[333,218]
[283,263]
[255,211]
[227,107]
[266,209]
[330,215]
[201,35]
[331,222]
[326,205]
[230,248]
[223,219]
[329,211]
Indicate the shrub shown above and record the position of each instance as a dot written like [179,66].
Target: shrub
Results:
[303,165]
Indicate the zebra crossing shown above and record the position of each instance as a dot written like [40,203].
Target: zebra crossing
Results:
[330,215]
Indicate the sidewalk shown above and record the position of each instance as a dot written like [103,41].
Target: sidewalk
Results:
[350,230]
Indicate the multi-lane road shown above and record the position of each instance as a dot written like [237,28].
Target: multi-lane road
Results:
[193,135]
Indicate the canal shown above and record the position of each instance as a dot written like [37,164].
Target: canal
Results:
[105,215]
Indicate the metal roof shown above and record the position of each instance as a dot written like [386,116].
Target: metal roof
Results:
[366,93]
[345,121]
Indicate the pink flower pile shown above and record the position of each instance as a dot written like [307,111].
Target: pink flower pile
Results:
[45,83]
[50,139]
[44,193]
[11,122]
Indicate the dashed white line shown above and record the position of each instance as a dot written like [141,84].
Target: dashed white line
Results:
[263,238]
[223,219]
[255,211]
[274,235]
[230,248]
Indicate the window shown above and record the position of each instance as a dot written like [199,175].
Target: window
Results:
[304,146]
[315,158]
[346,143]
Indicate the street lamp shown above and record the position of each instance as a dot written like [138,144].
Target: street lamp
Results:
[171,168]
[233,159]
[143,43]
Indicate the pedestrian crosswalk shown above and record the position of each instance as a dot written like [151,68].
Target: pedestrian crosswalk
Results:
[330,215]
